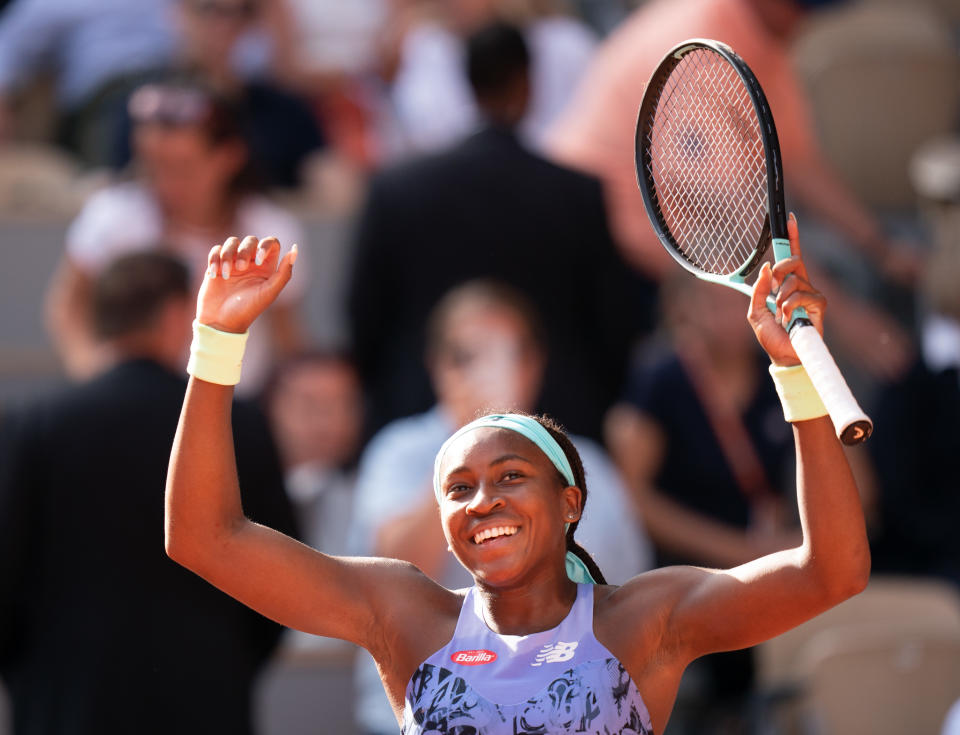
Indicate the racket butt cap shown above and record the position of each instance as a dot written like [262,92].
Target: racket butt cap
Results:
[857,432]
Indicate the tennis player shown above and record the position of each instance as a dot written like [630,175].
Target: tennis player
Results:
[539,644]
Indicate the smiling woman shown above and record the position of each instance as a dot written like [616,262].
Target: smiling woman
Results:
[532,646]
[550,441]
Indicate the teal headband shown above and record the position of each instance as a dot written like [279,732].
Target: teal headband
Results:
[525,425]
[535,432]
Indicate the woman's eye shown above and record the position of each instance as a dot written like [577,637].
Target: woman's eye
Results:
[455,490]
[512,475]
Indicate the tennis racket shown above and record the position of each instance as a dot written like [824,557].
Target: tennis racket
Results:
[708,166]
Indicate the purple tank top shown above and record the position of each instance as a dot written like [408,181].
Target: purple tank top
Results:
[558,681]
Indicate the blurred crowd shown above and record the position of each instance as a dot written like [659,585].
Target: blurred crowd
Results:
[499,256]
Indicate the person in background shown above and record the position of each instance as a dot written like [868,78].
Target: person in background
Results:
[281,132]
[490,208]
[485,351]
[596,134]
[314,404]
[431,93]
[315,407]
[917,439]
[98,51]
[99,631]
[192,186]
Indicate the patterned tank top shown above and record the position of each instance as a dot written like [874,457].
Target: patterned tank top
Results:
[559,681]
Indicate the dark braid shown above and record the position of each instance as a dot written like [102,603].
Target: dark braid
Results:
[580,479]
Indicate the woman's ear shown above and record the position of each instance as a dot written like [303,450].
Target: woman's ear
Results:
[572,503]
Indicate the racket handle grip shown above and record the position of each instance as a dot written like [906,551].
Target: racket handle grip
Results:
[851,423]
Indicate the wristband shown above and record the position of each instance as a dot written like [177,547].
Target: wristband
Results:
[799,398]
[216,356]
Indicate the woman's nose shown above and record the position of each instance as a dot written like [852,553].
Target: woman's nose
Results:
[486,499]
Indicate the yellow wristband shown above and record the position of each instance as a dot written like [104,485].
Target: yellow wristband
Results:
[799,398]
[216,356]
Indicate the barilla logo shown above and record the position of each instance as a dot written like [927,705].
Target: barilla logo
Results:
[474,658]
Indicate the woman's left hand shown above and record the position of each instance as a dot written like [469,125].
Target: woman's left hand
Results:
[788,279]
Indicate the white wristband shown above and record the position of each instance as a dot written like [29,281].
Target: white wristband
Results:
[216,356]
[798,397]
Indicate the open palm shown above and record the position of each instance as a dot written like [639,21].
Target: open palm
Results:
[243,278]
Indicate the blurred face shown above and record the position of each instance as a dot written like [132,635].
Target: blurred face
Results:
[503,506]
[211,28]
[468,15]
[189,176]
[316,414]
[716,315]
[488,360]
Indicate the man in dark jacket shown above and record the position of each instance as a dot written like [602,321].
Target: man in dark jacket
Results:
[99,631]
[491,208]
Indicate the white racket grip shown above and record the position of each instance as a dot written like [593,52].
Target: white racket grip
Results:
[851,423]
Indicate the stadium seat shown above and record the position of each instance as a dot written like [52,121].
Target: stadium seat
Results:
[895,611]
[882,80]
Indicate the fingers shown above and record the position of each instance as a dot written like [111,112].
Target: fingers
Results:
[268,249]
[793,233]
[245,253]
[213,262]
[228,251]
[793,264]
[794,298]
[239,256]
[282,275]
[761,291]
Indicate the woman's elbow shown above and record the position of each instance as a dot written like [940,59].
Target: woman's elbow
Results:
[840,581]
[181,545]
[173,543]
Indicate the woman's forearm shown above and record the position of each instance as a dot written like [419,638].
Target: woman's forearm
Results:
[831,514]
[203,494]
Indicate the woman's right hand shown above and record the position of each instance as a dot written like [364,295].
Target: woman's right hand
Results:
[243,278]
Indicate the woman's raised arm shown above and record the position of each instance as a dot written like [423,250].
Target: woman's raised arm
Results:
[206,529]
[704,610]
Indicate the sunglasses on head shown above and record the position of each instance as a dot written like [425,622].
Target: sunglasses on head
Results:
[169,105]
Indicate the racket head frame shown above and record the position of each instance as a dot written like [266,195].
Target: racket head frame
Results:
[775,225]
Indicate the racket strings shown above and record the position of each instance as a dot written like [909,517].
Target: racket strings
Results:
[707,162]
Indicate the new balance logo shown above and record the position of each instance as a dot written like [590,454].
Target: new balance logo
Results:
[554,653]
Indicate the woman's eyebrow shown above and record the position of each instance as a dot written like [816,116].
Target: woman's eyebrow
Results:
[507,458]
[498,461]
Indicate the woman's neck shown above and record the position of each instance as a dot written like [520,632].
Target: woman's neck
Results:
[531,608]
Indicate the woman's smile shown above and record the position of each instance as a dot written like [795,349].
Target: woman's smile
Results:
[495,533]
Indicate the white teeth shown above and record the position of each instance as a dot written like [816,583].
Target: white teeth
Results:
[494,532]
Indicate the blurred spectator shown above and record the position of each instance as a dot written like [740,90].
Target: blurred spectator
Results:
[701,440]
[315,408]
[490,208]
[430,91]
[331,55]
[484,351]
[192,192]
[99,631]
[604,15]
[917,439]
[96,49]
[596,134]
[279,128]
